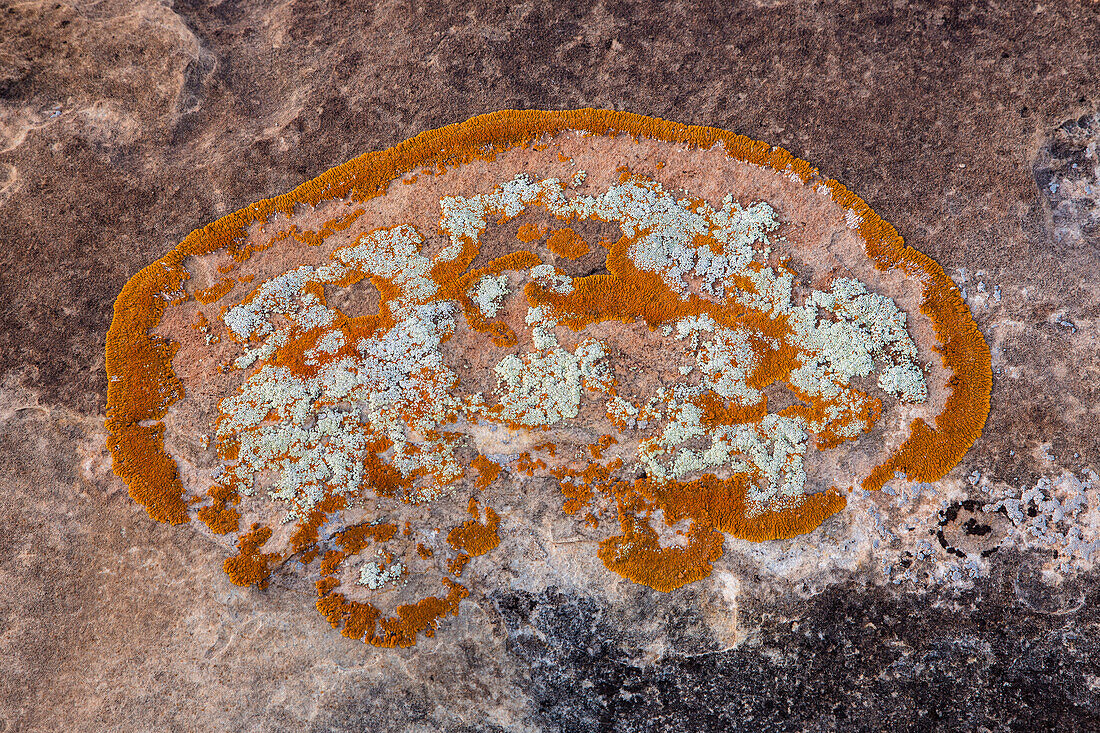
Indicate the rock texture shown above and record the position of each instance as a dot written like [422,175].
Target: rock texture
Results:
[124,125]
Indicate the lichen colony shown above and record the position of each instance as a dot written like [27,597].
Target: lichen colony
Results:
[686,333]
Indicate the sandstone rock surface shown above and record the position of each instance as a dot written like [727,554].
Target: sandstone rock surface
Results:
[973,130]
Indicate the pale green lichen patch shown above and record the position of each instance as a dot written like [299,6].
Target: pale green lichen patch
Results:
[375,576]
[301,428]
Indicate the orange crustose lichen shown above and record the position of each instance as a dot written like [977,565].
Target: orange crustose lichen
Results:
[316,370]
[566,243]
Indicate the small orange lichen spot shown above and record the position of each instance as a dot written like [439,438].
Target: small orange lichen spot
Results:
[744,323]
[219,518]
[638,555]
[525,465]
[220,521]
[215,292]
[597,448]
[529,232]
[487,471]
[473,536]
[566,243]
[458,563]
[250,566]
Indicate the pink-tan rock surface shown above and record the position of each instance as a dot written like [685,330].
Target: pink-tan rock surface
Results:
[973,129]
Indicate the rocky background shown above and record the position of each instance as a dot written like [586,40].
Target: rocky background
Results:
[125,124]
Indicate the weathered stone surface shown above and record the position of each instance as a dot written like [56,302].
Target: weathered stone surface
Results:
[124,125]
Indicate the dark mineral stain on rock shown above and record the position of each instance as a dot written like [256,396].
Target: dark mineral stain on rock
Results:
[966,530]
[853,659]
